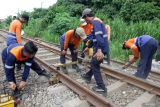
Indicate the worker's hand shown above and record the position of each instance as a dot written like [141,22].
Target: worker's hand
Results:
[12,85]
[64,52]
[86,50]
[85,40]
[99,55]
[22,84]
[126,65]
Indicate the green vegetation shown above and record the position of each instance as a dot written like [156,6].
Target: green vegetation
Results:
[127,18]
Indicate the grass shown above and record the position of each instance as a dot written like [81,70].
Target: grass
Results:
[120,31]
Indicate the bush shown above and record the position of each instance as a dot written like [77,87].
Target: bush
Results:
[140,11]
[34,28]
[62,23]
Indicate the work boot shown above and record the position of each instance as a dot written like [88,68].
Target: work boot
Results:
[82,55]
[45,73]
[86,78]
[76,67]
[64,70]
[18,67]
[100,90]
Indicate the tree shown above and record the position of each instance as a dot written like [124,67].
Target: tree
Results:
[38,13]
[8,20]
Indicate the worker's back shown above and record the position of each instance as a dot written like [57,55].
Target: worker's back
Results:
[15,24]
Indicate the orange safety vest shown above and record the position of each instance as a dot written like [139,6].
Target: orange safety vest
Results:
[16,28]
[17,52]
[87,28]
[131,44]
[70,38]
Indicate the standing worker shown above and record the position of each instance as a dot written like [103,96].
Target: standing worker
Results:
[144,46]
[108,37]
[14,35]
[71,39]
[100,48]
[88,28]
[24,55]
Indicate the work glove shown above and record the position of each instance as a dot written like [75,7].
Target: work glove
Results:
[12,85]
[64,52]
[22,85]
[126,65]
[99,55]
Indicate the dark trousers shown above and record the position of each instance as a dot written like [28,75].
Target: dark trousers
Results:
[11,39]
[146,55]
[73,54]
[35,67]
[95,70]
[108,57]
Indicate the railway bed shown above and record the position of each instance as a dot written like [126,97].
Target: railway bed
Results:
[121,92]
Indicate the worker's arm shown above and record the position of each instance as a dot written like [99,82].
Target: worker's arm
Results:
[67,38]
[28,64]
[9,67]
[108,32]
[135,53]
[18,34]
[97,27]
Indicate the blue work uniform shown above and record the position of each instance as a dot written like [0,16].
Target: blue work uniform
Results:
[99,41]
[12,55]
[147,46]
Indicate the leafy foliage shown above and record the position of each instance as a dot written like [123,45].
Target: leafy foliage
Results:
[127,18]
[8,20]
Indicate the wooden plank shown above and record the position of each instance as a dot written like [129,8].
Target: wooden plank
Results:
[64,65]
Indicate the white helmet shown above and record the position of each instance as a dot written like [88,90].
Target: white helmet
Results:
[83,22]
[81,33]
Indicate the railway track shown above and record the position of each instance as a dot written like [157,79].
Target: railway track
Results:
[123,90]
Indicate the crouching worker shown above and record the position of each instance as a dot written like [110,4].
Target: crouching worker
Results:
[23,55]
[144,46]
[71,39]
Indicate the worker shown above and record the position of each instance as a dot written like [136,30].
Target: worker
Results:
[14,17]
[108,28]
[22,54]
[14,35]
[71,39]
[144,46]
[108,37]
[100,48]
[88,28]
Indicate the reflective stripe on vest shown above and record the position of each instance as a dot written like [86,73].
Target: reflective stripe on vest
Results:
[104,36]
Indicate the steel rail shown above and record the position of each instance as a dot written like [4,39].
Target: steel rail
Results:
[156,73]
[83,92]
[122,76]
[132,80]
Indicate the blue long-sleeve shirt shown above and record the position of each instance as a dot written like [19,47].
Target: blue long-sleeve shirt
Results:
[99,34]
[10,60]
